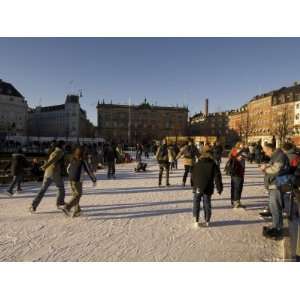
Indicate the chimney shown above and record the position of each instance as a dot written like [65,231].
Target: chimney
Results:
[206,107]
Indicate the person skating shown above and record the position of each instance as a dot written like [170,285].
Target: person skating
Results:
[17,166]
[163,157]
[53,173]
[76,169]
[139,152]
[36,171]
[217,152]
[276,166]
[140,165]
[258,152]
[176,151]
[189,153]
[206,174]
[236,169]
[110,156]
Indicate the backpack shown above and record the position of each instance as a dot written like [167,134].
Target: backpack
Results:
[285,179]
[230,167]
[189,152]
[162,153]
[295,161]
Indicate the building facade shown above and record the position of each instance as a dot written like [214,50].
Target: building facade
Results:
[260,118]
[65,120]
[273,114]
[211,124]
[13,111]
[140,123]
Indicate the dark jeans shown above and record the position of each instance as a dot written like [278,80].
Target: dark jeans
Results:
[162,167]
[174,164]
[76,188]
[275,203]
[187,170]
[17,180]
[111,168]
[59,183]
[206,206]
[258,158]
[237,184]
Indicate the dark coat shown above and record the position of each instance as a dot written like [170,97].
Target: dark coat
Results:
[18,164]
[205,175]
[217,152]
[75,169]
[110,154]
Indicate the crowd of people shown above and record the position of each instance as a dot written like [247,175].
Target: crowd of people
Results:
[202,163]
[280,166]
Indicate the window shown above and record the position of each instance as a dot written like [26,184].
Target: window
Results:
[297,116]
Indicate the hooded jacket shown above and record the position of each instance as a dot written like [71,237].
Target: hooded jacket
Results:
[277,164]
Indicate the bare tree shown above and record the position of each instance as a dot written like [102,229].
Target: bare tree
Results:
[246,127]
[281,125]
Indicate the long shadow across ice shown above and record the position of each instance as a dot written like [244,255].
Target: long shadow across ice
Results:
[235,222]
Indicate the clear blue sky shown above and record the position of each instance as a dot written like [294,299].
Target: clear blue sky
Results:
[168,71]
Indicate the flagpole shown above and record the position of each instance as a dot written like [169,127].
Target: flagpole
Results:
[129,121]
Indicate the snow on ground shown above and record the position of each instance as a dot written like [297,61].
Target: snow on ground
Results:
[132,219]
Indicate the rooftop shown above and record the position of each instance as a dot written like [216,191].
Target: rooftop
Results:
[144,105]
[8,89]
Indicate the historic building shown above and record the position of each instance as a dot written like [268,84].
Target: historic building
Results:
[260,118]
[273,114]
[13,111]
[211,124]
[238,124]
[140,123]
[65,120]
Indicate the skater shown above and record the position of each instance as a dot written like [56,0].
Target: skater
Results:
[189,153]
[217,152]
[17,165]
[176,151]
[235,168]
[53,173]
[258,152]
[139,152]
[251,153]
[163,158]
[36,171]
[78,165]
[277,165]
[206,173]
[110,156]
[141,166]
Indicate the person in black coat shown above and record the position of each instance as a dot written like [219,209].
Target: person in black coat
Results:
[217,152]
[110,156]
[17,165]
[205,175]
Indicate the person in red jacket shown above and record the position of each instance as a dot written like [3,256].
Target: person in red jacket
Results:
[237,174]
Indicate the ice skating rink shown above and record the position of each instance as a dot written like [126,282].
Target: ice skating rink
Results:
[132,219]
